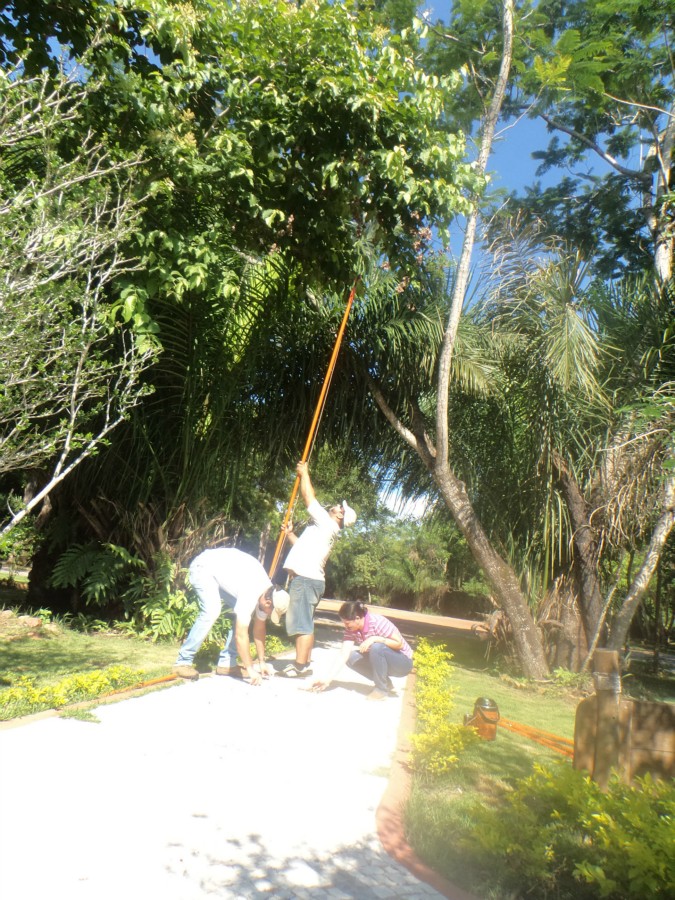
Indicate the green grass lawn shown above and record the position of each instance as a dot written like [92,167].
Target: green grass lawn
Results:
[53,654]
[549,707]
[48,665]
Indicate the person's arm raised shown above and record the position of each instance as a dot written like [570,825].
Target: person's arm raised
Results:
[291,536]
[306,488]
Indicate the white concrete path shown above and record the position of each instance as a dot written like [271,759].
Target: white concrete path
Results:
[208,789]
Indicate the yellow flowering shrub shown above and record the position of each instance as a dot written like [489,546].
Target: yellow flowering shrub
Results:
[437,743]
[26,696]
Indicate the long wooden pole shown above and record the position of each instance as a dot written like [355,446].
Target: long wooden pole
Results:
[314,426]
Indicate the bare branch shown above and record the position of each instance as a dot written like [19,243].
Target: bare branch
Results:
[636,105]
[422,447]
[70,370]
[635,174]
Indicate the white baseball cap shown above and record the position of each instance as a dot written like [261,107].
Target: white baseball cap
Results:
[349,516]
[280,600]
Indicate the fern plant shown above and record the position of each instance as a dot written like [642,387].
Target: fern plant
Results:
[158,604]
[98,571]
[151,597]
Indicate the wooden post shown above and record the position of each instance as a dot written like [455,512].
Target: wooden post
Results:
[607,677]
[585,725]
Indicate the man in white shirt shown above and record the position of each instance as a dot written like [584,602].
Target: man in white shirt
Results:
[244,579]
[305,565]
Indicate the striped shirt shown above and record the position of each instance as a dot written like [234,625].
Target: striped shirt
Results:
[378,626]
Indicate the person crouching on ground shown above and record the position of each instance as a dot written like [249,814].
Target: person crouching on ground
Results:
[305,565]
[372,646]
[243,578]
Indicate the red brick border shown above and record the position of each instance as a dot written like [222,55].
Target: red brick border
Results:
[389,815]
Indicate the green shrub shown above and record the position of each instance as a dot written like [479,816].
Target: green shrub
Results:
[155,604]
[273,645]
[558,835]
[437,743]
[578,681]
[18,545]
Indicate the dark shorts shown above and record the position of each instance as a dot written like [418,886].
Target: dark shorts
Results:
[305,594]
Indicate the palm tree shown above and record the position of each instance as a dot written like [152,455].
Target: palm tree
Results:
[589,471]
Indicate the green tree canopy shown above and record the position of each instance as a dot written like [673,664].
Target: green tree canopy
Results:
[276,139]
[274,125]
[599,76]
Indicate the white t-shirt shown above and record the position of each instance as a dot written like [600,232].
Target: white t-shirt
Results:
[238,574]
[308,555]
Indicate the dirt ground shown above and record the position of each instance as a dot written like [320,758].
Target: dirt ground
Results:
[13,626]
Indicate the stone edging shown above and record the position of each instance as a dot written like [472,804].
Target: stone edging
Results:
[389,815]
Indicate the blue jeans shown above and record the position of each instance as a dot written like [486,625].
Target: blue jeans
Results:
[379,663]
[210,606]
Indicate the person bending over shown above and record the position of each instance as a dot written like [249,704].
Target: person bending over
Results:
[372,646]
[243,578]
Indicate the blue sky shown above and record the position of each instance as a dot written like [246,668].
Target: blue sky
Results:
[511,165]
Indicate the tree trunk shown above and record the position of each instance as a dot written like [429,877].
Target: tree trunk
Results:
[263,541]
[585,559]
[619,631]
[659,216]
[571,645]
[528,642]
[657,620]
[500,575]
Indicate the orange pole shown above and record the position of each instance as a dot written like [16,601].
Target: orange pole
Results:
[545,738]
[314,426]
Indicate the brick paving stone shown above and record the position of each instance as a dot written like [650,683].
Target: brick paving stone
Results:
[384,893]
[372,868]
[300,874]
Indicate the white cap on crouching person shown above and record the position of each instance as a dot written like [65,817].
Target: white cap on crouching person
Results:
[280,600]
[349,516]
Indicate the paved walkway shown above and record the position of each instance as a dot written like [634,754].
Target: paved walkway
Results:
[205,789]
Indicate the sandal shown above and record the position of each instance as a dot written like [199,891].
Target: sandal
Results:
[292,671]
